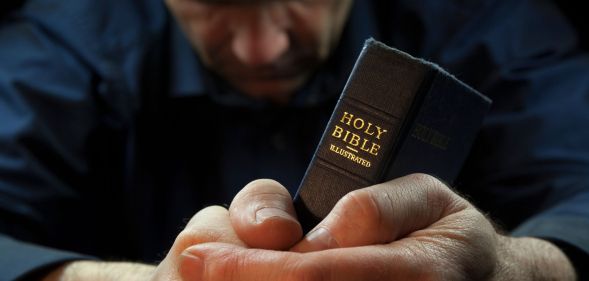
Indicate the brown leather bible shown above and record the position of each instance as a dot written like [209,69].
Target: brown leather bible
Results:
[396,115]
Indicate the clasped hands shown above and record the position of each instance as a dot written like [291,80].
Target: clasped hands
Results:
[411,228]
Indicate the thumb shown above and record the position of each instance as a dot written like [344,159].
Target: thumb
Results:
[383,213]
[263,216]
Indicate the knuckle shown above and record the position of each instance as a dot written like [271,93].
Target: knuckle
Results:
[190,237]
[439,196]
[356,199]
[433,187]
[185,239]
[426,179]
[208,212]
[192,234]
[214,209]
[360,205]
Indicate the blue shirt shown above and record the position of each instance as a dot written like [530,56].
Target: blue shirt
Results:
[112,133]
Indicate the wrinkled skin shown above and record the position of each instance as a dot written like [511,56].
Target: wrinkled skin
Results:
[411,228]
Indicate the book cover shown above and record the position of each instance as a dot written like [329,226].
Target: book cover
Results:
[396,115]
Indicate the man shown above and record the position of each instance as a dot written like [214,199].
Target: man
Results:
[116,126]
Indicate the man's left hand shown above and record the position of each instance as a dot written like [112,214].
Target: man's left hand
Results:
[411,228]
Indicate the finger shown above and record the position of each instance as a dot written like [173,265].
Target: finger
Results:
[263,216]
[211,224]
[383,213]
[224,262]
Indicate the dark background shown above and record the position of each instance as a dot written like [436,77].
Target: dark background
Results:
[572,9]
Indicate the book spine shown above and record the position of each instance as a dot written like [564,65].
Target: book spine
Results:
[441,132]
[363,133]
[397,115]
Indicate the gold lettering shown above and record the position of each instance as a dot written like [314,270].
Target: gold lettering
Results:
[380,131]
[332,147]
[374,149]
[355,140]
[354,137]
[337,132]
[363,147]
[367,131]
[431,136]
[347,118]
[346,136]
[350,156]
[360,122]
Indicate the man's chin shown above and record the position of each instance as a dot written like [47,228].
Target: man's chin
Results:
[275,90]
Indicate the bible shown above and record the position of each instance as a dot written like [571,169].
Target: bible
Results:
[396,115]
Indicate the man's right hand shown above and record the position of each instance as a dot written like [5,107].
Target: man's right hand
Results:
[269,223]
[267,227]
[211,224]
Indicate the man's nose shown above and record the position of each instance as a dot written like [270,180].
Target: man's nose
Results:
[260,38]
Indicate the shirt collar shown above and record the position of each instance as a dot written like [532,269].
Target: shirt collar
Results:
[186,72]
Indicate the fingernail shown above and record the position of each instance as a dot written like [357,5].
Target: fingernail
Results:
[266,213]
[191,267]
[321,239]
